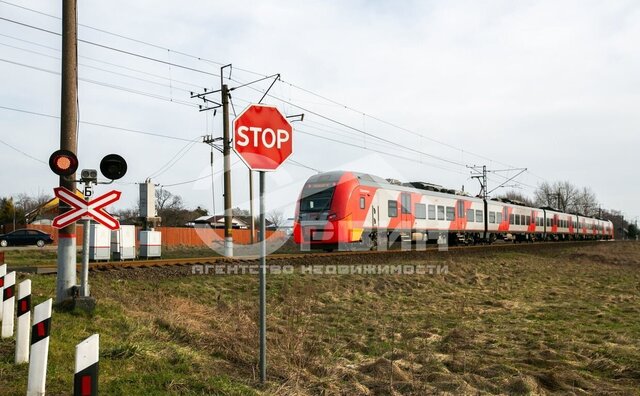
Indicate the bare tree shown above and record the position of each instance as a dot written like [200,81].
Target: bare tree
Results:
[517,196]
[166,200]
[586,202]
[566,197]
[276,217]
[544,195]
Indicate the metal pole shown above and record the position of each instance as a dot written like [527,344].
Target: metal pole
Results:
[86,235]
[253,221]
[213,188]
[68,140]
[263,286]
[226,150]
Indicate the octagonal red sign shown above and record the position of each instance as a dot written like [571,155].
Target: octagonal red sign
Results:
[262,137]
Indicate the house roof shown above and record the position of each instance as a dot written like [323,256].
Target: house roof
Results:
[238,220]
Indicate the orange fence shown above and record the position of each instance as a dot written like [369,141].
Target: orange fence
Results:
[176,236]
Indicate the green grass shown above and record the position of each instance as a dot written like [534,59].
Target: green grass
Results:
[561,320]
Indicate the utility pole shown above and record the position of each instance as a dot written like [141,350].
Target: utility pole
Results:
[481,175]
[226,147]
[226,150]
[210,140]
[68,141]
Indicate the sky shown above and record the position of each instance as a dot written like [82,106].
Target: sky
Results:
[410,90]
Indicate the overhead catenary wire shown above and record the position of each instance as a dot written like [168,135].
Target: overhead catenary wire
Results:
[282,100]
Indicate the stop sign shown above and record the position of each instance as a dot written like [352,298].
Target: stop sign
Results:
[262,137]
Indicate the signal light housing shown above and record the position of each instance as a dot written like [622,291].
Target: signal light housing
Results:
[113,166]
[63,163]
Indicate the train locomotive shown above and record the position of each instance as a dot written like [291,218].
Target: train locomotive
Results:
[342,209]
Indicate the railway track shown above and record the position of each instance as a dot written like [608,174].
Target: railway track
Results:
[302,258]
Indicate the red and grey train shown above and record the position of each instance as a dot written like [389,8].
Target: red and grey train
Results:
[343,208]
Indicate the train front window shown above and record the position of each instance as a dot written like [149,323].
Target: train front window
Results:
[316,200]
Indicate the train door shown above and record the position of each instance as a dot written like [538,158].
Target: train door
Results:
[406,223]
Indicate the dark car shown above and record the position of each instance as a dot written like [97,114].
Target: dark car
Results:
[25,237]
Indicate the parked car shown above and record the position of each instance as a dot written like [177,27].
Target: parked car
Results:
[25,237]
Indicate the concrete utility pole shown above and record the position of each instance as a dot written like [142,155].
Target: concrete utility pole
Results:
[68,141]
[226,151]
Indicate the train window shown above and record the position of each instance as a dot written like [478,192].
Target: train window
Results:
[548,222]
[517,219]
[451,213]
[492,217]
[470,215]
[528,220]
[498,217]
[406,202]
[420,210]
[523,220]
[479,216]
[511,219]
[440,212]
[460,209]
[432,212]
[393,208]
[362,202]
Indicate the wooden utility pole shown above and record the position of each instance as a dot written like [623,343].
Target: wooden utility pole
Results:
[68,141]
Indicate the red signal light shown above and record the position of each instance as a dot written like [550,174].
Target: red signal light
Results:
[63,163]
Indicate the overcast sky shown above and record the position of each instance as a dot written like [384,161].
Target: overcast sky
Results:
[553,86]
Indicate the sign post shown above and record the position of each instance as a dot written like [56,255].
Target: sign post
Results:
[86,209]
[263,138]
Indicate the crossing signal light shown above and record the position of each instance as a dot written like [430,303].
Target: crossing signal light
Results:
[113,166]
[63,163]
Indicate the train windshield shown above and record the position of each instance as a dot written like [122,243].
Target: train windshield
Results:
[316,199]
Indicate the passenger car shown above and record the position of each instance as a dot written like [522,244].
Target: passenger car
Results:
[25,237]
[350,208]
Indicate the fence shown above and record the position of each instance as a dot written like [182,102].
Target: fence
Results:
[175,236]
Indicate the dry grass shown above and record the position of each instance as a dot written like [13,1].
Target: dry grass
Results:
[548,321]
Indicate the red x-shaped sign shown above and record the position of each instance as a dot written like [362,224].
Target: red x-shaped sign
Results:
[86,209]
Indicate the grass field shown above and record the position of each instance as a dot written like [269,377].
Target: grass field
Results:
[545,321]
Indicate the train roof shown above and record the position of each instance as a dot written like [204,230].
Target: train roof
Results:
[367,179]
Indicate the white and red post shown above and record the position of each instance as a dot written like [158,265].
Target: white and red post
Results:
[8,304]
[3,272]
[85,380]
[39,349]
[24,322]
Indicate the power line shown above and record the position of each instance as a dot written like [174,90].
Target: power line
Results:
[260,74]
[173,80]
[100,125]
[174,160]
[199,178]
[378,151]
[22,152]
[114,48]
[137,40]
[273,96]
[107,85]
